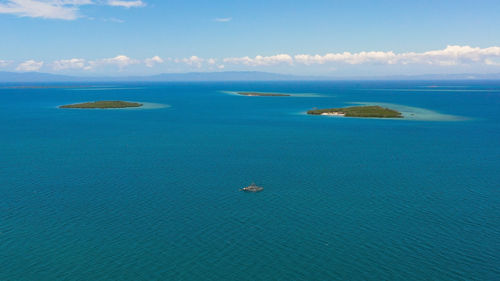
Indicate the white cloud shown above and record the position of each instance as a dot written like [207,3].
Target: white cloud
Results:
[4,63]
[121,61]
[30,65]
[115,20]
[39,9]
[349,58]
[126,4]
[451,55]
[69,64]
[56,9]
[459,56]
[261,60]
[223,19]
[492,62]
[75,2]
[150,62]
[49,9]
[193,61]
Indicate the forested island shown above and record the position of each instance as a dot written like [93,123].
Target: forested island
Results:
[254,94]
[373,111]
[103,104]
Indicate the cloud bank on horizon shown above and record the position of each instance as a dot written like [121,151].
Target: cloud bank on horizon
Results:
[449,56]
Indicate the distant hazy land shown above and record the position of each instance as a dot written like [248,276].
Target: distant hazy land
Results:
[38,77]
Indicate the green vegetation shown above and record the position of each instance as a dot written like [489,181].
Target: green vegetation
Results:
[103,104]
[253,94]
[359,111]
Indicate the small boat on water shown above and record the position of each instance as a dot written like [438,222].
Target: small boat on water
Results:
[252,188]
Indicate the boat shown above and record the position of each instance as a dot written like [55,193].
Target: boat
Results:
[252,188]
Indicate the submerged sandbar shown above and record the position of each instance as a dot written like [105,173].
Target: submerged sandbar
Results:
[370,111]
[255,94]
[103,104]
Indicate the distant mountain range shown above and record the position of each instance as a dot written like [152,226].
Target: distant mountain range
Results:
[38,77]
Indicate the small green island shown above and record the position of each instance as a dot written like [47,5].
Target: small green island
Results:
[373,111]
[254,94]
[103,104]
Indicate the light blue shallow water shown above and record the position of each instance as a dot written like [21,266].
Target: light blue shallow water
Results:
[152,194]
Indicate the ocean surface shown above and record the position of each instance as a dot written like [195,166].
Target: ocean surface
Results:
[153,193]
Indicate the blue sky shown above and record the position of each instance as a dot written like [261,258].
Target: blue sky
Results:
[335,38]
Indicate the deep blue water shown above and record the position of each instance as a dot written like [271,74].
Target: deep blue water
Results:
[152,194]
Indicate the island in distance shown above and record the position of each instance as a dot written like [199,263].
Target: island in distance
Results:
[103,104]
[254,94]
[373,111]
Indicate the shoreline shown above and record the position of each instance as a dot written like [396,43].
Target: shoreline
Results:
[333,114]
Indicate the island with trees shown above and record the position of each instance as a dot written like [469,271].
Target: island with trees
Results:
[372,111]
[255,94]
[103,104]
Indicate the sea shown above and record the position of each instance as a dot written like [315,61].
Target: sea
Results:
[153,193]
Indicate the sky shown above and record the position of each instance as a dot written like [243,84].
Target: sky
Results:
[313,37]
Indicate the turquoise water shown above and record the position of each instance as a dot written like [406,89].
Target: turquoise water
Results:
[152,194]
